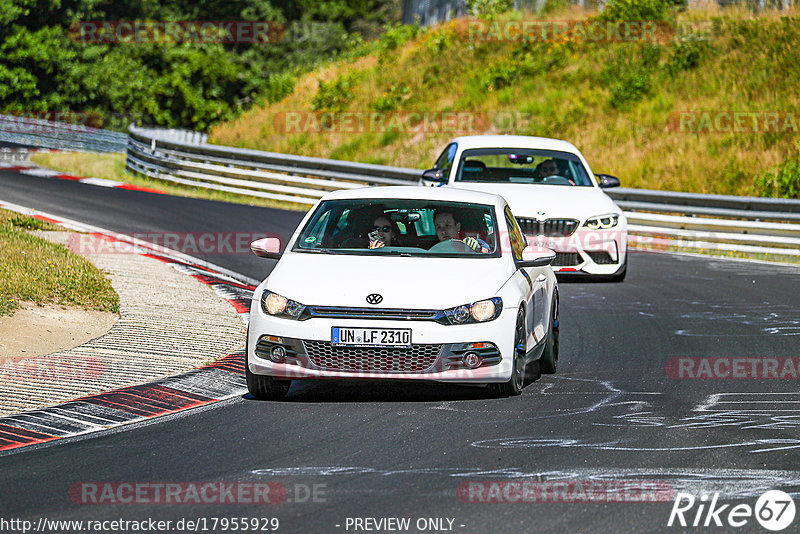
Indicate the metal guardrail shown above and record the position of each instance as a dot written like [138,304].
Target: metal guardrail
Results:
[59,135]
[738,223]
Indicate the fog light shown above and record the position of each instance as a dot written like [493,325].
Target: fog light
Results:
[472,360]
[277,354]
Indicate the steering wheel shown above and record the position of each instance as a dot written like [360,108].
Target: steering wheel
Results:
[557,179]
[452,246]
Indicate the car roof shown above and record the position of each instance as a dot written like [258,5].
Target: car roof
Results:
[451,194]
[514,141]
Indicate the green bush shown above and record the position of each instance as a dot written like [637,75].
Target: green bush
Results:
[629,89]
[636,10]
[279,86]
[395,36]
[391,98]
[688,53]
[499,75]
[489,8]
[335,95]
[46,67]
[783,182]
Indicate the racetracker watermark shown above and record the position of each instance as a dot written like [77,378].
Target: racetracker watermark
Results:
[738,122]
[349,122]
[171,493]
[55,122]
[566,491]
[733,368]
[193,31]
[588,31]
[222,243]
[51,367]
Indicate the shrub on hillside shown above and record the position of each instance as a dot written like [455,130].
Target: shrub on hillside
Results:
[636,10]
[335,95]
[484,8]
[688,53]
[783,182]
[630,88]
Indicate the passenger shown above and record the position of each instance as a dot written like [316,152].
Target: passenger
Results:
[383,233]
[447,228]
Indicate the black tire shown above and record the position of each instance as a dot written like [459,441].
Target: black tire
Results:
[517,381]
[549,360]
[264,387]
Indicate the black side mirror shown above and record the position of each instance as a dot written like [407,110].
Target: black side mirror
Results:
[434,175]
[606,180]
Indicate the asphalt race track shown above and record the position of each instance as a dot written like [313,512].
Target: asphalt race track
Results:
[623,409]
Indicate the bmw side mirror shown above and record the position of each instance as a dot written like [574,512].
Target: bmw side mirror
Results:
[436,176]
[606,180]
[268,247]
[536,257]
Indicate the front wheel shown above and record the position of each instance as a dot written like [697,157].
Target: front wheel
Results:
[517,381]
[549,360]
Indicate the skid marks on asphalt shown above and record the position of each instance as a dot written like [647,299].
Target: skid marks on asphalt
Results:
[729,483]
[642,418]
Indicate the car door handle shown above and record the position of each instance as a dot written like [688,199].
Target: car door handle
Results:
[541,278]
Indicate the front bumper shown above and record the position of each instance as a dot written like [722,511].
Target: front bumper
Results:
[435,354]
[593,252]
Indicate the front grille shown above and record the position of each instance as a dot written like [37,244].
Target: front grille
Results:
[340,312]
[416,359]
[601,257]
[549,227]
[567,259]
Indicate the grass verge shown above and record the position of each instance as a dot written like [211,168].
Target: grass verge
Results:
[112,167]
[36,270]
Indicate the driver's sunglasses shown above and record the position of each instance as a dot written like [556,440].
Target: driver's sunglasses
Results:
[549,169]
[382,228]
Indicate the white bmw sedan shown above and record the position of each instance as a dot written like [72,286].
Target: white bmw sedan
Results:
[559,203]
[404,283]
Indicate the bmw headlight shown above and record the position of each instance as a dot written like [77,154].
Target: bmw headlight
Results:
[602,222]
[477,312]
[280,306]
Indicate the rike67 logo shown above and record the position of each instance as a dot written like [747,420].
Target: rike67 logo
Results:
[774,510]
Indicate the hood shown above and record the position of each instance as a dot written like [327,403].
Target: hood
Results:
[415,283]
[556,201]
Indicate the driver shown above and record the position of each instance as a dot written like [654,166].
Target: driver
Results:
[547,168]
[448,228]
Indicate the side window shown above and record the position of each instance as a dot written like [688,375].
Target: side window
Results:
[446,159]
[514,235]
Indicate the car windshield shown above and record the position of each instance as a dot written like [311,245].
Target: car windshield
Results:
[522,166]
[401,227]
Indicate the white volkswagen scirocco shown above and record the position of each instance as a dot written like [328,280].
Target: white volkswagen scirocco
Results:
[408,283]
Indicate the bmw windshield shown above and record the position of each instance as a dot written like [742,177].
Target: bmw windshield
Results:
[401,227]
[522,166]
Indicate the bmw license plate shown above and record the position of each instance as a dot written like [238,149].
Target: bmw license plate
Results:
[371,337]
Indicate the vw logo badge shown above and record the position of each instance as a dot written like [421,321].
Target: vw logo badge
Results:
[374,298]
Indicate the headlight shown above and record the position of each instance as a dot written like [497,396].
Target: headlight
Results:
[477,312]
[280,306]
[602,222]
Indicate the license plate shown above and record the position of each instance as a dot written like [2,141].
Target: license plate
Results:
[371,337]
